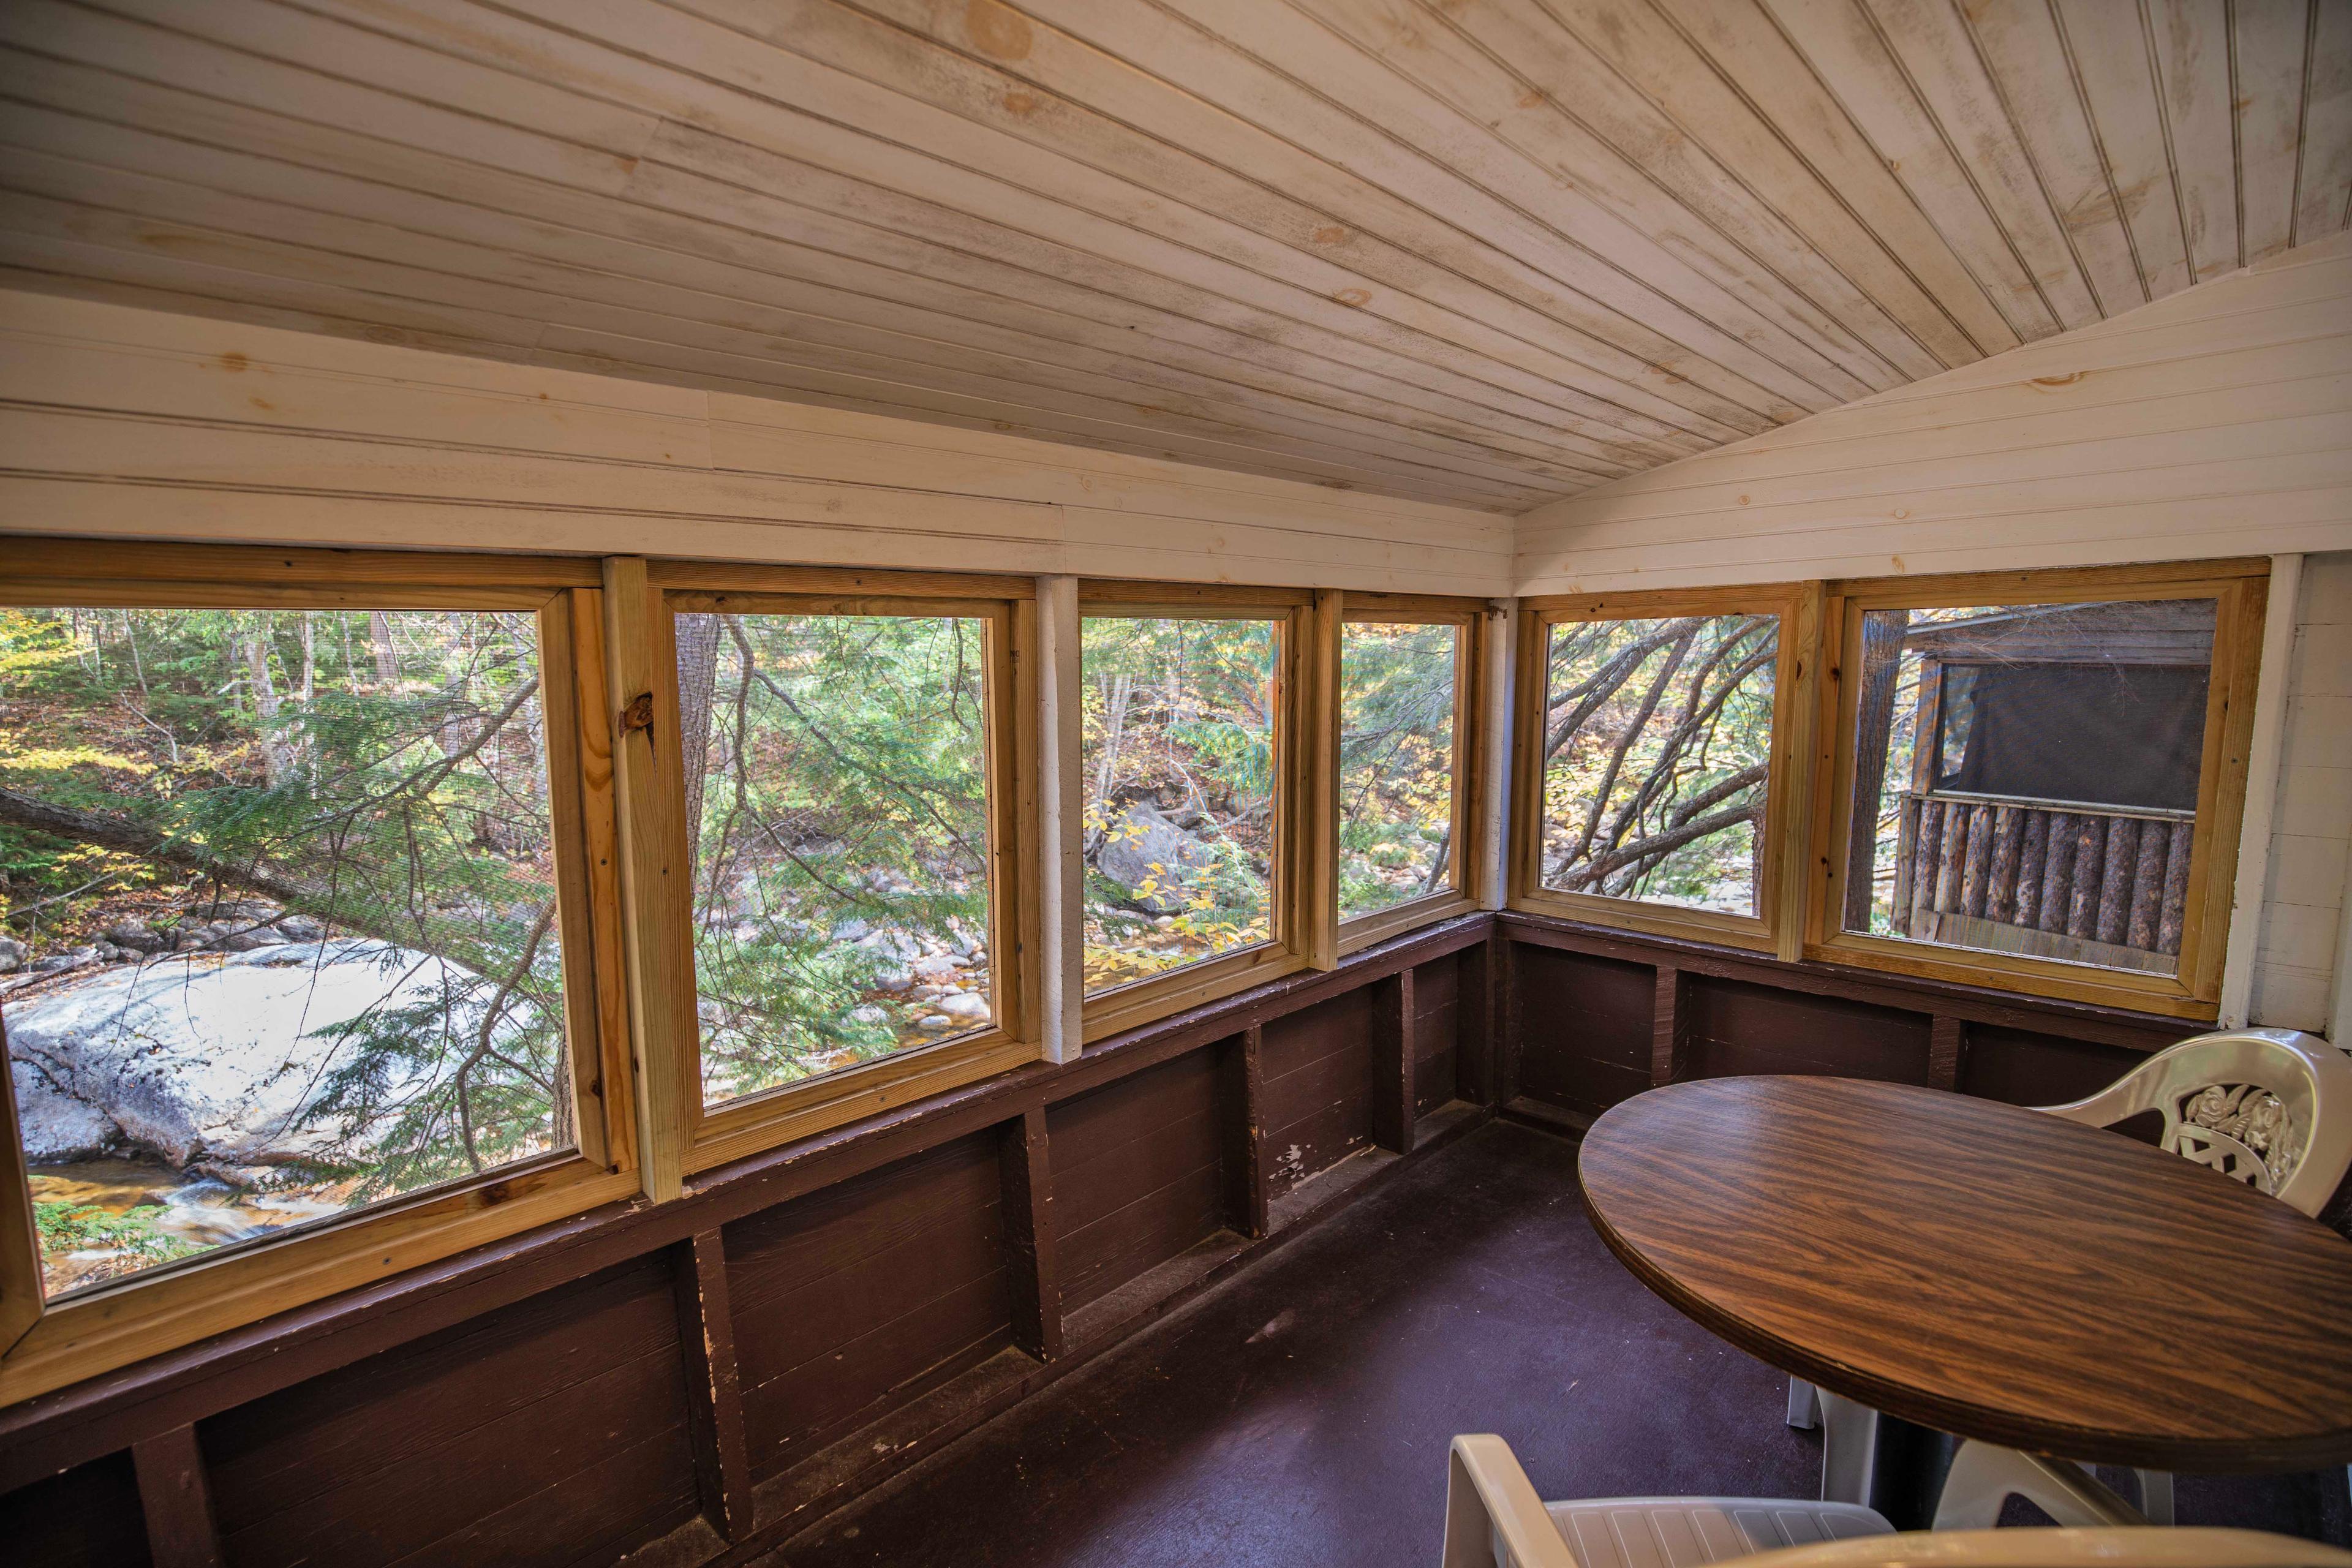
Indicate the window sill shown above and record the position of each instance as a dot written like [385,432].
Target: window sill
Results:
[1210,980]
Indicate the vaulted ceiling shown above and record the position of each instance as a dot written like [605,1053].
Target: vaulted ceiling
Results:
[1487,252]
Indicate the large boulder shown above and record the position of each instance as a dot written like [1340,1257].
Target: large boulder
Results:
[210,1060]
[1153,859]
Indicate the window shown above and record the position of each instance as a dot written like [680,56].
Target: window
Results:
[851,810]
[298,969]
[839,801]
[1407,674]
[1180,832]
[1654,728]
[2031,781]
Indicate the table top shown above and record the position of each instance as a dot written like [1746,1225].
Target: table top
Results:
[1985,1269]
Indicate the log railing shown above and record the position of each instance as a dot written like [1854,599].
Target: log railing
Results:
[2061,879]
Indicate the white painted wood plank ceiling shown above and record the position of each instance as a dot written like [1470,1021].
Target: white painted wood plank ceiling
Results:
[1484,252]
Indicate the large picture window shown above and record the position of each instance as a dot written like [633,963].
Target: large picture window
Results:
[2031,781]
[299,977]
[1655,747]
[1408,683]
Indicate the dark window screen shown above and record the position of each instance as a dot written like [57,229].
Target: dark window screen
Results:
[2129,735]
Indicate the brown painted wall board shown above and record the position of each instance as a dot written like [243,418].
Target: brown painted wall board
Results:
[2028,1068]
[1137,1173]
[390,1455]
[1437,1033]
[87,1517]
[1584,1028]
[1318,1085]
[864,1287]
[1734,1027]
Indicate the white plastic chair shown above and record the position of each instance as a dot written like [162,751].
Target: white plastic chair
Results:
[1494,1519]
[2272,1108]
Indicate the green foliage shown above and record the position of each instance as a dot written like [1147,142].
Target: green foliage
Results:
[843,798]
[1396,763]
[66,1227]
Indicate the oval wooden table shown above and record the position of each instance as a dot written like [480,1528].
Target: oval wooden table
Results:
[1985,1271]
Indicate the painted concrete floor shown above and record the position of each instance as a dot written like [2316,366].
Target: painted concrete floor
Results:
[1300,1413]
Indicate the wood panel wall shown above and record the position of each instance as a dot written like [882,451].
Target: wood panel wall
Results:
[143,424]
[2209,424]
[794,1330]
[2300,945]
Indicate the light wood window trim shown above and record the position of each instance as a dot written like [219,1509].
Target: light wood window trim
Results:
[2240,589]
[1304,928]
[176,1304]
[1774,927]
[1468,617]
[696,1137]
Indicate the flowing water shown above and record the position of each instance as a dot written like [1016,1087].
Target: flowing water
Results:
[199,1211]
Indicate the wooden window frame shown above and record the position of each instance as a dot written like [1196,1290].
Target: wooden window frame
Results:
[1305,895]
[700,1137]
[1778,924]
[1468,617]
[2240,589]
[175,1304]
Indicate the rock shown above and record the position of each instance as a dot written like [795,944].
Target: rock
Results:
[964,1007]
[934,969]
[12,954]
[1142,846]
[1163,922]
[238,911]
[247,941]
[214,1061]
[301,928]
[136,936]
[935,1023]
[851,930]
[869,1014]
[58,963]
[894,946]
[109,953]
[929,992]
[56,1128]
[202,934]
[894,981]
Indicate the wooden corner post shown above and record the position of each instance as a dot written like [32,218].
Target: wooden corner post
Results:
[1061,812]
[656,871]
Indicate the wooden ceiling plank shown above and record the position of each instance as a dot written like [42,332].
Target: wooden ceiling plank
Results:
[1800,137]
[1528,86]
[1084,148]
[2191,39]
[1943,69]
[1430,86]
[501,193]
[1846,52]
[2106,50]
[443,272]
[1223,78]
[912,166]
[2267,96]
[2029,69]
[1693,146]
[2324,188]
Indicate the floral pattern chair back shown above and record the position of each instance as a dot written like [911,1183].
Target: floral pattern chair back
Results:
[2272,1108]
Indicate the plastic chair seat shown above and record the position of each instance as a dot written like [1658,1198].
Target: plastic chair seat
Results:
[1688,1531]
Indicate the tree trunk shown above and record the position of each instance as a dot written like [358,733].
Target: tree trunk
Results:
[1882,660]
[387,664]
[1115,701]
[697,676]
[264,698]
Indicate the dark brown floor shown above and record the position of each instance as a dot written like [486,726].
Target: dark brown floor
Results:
[1300,1413]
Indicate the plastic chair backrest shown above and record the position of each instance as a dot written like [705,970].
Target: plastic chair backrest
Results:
[2272,1108]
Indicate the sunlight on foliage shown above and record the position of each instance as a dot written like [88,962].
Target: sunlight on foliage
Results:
[1396,764]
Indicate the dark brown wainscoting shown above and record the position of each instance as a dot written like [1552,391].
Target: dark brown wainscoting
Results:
[693,1381]
[1598,1016]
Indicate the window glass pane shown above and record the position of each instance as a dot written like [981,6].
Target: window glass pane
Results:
[2026,777]
[1396,764]
[841,862]
[1657,750]
[281,934]
[1179,760]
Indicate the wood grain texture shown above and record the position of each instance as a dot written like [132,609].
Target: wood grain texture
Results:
[1138,1174]
[2015,1278]
[176,1501]
[1484,257]
[714,1384]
